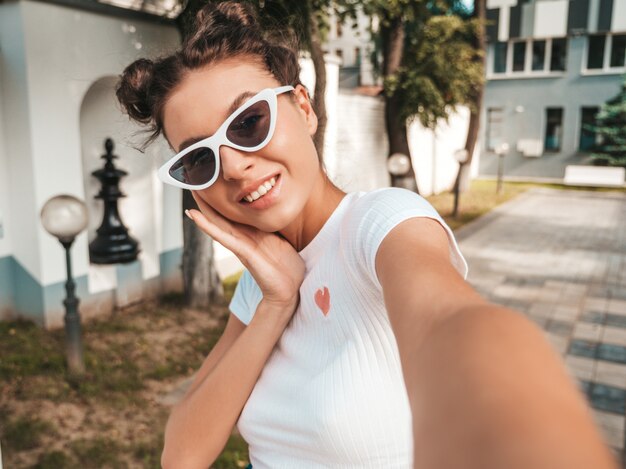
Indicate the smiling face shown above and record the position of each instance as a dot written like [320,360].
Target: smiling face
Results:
[287,169]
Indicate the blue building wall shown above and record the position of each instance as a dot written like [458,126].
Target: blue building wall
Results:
[571,91]
[22,295]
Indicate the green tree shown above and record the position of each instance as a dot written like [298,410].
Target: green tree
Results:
[610,130]
[426,61]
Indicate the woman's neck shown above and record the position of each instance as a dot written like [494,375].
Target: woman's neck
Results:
[324,199]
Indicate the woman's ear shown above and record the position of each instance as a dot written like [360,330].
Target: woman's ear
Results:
[306,108]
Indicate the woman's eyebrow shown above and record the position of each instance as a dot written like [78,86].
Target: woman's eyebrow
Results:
[189,142]
[238,101]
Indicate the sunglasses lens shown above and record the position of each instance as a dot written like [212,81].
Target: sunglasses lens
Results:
[196,167]
[251,126]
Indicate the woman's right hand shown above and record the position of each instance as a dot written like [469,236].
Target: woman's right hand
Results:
[275,265]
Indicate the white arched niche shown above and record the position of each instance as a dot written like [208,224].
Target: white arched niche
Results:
[142,208]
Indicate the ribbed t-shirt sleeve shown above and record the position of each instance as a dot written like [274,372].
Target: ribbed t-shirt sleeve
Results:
[376,213]
[246,298]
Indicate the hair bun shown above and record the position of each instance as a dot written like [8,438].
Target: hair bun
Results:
[236,14]
[133,90]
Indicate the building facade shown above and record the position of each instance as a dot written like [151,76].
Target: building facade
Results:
[351,42]
[58,69]
[551,64]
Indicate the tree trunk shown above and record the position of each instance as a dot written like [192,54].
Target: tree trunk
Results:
[319,101]
[474,122]
[392,35]
[398,142]
[201,282]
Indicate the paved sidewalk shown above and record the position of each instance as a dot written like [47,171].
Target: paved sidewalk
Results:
[560,258]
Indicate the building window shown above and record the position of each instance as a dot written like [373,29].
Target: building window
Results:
[499,52]
[588,137]
[554,129]
[494,128]
[530,57]
[519,56]
[559,55]
[339,53]
[618,50]
[539,56]
[339,28]
[606,52]
[595,51]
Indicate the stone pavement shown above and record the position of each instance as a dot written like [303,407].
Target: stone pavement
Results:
[560,258]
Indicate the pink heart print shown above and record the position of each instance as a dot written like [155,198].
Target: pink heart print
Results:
[322,300]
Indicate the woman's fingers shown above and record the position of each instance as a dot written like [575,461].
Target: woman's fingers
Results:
[224,237]
[213,216]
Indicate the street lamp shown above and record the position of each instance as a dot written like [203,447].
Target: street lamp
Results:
[501,150]
[399,166]
[64,217]
[461,157]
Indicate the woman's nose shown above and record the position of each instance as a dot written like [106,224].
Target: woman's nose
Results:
[234,163]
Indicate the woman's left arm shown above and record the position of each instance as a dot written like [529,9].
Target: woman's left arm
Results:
[487,391]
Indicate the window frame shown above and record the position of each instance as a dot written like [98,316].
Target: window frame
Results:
[489,125]
[528,72]
[545,130]
[619,67]
[546,52]
[492,60]
[524,49]
[580,126]
[606,60]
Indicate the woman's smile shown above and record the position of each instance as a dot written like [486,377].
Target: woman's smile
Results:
[264,195]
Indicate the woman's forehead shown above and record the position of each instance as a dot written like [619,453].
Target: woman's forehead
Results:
[205,96]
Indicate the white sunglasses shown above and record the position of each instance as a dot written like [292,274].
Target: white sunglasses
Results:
[249,129]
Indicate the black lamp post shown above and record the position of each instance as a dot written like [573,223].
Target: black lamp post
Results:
[64,217]
[461,157]
[501,150]
[112,244]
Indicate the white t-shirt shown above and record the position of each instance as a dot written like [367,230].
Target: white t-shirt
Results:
[332,394]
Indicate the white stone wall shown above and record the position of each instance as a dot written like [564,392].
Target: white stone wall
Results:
[5,201]
[20,217]
[361,147]
[65,52]
[143,207]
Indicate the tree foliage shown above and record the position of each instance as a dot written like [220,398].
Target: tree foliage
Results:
[610,130]
[437,71]
[427,55]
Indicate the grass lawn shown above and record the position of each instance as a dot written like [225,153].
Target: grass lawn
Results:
[114,416]
[482,197]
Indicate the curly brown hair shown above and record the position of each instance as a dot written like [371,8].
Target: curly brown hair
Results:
[220,31]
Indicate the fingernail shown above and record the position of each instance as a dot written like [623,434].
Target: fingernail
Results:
[188,214]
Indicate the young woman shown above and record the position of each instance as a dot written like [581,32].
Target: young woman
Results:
[353,339]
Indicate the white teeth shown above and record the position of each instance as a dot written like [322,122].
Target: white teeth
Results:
[261,190]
